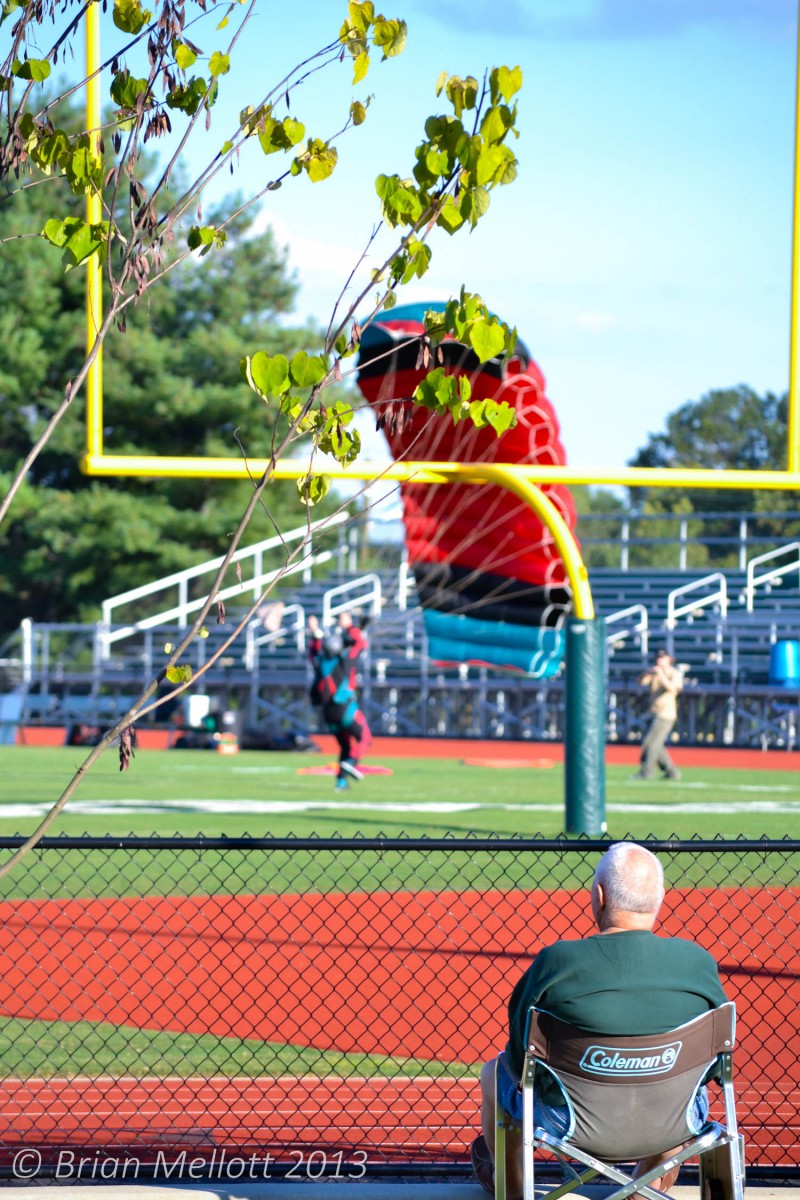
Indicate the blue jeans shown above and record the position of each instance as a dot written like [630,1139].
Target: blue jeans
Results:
[552,1118]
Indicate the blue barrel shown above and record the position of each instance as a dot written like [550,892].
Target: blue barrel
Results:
[784,664]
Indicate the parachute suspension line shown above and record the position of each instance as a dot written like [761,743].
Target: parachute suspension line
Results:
[511,478]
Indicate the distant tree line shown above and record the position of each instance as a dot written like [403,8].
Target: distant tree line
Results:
[171,385]
[726,428]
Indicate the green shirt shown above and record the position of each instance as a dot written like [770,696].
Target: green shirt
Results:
[630,982]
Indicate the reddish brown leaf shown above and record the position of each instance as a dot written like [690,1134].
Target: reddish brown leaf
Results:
[127,747]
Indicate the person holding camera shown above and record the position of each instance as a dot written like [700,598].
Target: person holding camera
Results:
[334,654]
[665,683]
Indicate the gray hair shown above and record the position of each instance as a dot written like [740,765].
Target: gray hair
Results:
[631,877]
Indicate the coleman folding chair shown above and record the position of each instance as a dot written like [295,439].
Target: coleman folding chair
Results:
[629,1098]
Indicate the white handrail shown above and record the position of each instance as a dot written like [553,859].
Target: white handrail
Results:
[641,627]
[181,611]
[256,551]
[777,573]
[26,625]
[719,596]
[371,597]
[405,584]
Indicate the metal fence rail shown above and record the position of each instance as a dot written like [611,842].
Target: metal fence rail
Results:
[323,1006]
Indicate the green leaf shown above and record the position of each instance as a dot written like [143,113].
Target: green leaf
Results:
[313,488]
[126,89]
[180,674]
[219,64]
[419,259]
[360,67]
[450,218]
[438,391]
[306,371]
[82,167]
[474,204]
[189,98]
[491,163]
[204,237]
[36,69]
[496,123]
[358,112]
[505,82]
[265,375]
[51,150]
[277,375]
[487,339]
[500,415]
[129,16]
[319,159]
[77,238]
[10,6]
[438,162]
[185,57]
[462,93]
[390,36]
[361,14]
[294,131]
[336,438]
[274,135]
[401,201]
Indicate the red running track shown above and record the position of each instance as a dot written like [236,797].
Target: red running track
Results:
[422,975]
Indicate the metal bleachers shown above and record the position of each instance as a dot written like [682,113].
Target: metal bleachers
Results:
[721,626]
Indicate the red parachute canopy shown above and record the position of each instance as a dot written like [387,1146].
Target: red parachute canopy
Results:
[477,551]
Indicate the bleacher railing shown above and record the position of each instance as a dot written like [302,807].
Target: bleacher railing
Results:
[681,541]
[227,1008]
[295,549]
[757,578]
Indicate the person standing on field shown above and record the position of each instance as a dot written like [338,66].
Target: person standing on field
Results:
[665,683]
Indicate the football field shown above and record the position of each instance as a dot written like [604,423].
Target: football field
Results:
[469,791]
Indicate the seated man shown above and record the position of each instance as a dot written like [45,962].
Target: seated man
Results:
[622,980]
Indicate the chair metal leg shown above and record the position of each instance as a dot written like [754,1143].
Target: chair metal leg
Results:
[499,1143]
[722,1172]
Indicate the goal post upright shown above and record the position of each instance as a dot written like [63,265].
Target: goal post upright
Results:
[793,416]
[584,647]
[94,215]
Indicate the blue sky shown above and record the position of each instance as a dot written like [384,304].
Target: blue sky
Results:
[644,250]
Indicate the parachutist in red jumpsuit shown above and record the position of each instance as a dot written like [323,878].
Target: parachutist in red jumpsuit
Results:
[333,655]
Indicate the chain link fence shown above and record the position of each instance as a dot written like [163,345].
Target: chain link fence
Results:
[323,1006]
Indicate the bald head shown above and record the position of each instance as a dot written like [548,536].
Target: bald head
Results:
[628,887]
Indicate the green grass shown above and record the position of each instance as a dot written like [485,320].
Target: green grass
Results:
[705,803]
[526,802]
[30,1049]
[261,794]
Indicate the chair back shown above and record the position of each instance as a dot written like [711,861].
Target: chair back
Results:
[630,1096]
